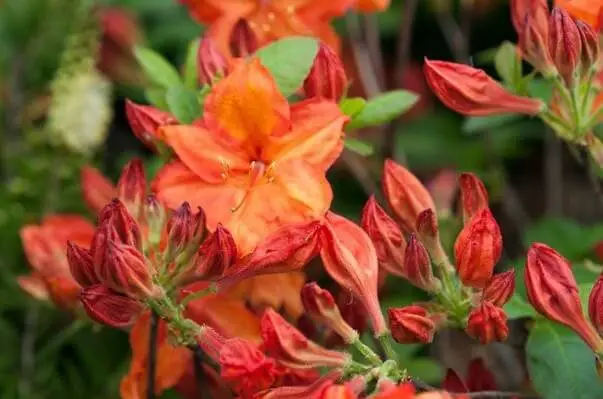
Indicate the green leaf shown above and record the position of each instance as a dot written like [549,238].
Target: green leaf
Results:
[508,64]
[191,72]
[517,307]
[541,89]
[156,96]
[384,108]
[478,124]
[358,146]
[560,364]
[289,61]
[352,106]
[157,68]
[183,103]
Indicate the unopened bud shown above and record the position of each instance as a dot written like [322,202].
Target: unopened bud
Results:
[155,215]
[179,230]
[487,323]
[125,271]
[411,324]
[211,62]
[474,196]
[146,121]
[500,288]
[132,186]
[327,77]
[243,41]
[119,222]
[429,235]
[110,308]
[81,265]
[534,37]
[321,306]
[565,44]
[216,255]
[595,305]
[442,189]
[590,47]
[477,249]
[417,265]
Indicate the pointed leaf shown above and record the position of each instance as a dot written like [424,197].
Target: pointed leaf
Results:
[384,108]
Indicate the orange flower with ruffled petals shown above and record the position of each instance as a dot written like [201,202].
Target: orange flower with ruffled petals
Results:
[45,247]
[256,163]
[269,20]
[588,11]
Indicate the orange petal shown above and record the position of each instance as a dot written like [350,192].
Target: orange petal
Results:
[264,292]
[34,285]
[294,192]
[208,11]
[221,33]
[320,10]
[176,183]
[316,136]
[328,35]
[207,154]
[97,190]
[372,5]
[66,227]
[586,10]
[247,106]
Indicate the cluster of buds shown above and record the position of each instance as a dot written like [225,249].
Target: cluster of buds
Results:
[465,294]
[552,290]
[564,50]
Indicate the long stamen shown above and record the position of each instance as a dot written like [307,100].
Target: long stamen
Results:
[257,170]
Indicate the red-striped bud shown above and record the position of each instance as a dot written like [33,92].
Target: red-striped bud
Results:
[474,196]
[590,47]
[565,44]
[500,288]
[487,323]
[132,186]
[477,249]
[216,255]
[417,265]
[327,77]
[411,324]
[119,223]
[595,305]
[146,122]
[211,62]
[536,9]
[110,308]
[125,271]
[81,265]
[470,91]
[243,40]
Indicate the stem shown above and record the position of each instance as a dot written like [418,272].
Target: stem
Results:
[199,294]
[197,364]
[367,352]
[553,174]
[386,343]
[154,327]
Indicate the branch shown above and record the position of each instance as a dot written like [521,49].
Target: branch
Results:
[553,174]
[362,56]
[453,35]
[152,366]
[28,351]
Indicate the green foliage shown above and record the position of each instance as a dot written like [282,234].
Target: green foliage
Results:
[289,61]
[358,146]
[352,106]
[384,108]
[183,103]
[157,68]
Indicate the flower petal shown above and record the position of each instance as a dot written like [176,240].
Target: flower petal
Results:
[34,285]
[206,153]
[176,183]
[247,106]
[97,190]
[316,136]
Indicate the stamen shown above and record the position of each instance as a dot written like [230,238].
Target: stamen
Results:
[257,170]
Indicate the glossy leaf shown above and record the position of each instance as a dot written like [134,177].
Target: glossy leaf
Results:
[384,108]
[183,103]
[157,68]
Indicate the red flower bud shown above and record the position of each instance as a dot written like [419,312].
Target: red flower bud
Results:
[110,308]
[487,323]
[125,271]
[321,306]
[146,121]
[386,236]
[443,188]
[477,249]
[534,45]
[405,194]
[313,391]
[417,265]
[118,219]
[245,367]
[350,259]
[211,62]
[132,186]
[292,348]
[500,288]
[211,343]
[327,77]
[81,265]
[537,9]
[472,92]
[552,290]
[595,305]
[351,312]
[429,235]
[590,46]
[411,324]
[454,383]
[474,196]
[216,255]
[97,191]
[565,44]
[243,40]
[179,229]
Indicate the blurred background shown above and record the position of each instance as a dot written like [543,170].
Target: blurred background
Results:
[67,66]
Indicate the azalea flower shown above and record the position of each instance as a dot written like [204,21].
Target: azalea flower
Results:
[270,20]
[255,163]
[586,10]
[45,248]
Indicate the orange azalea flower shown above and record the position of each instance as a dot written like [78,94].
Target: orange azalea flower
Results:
[586,10]
[257,163]
[270,20]
[372,5]
[45,246]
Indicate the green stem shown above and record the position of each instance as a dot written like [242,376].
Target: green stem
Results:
[367,352]
[386,341]
[199,294]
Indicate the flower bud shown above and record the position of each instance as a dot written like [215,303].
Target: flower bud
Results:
[499,289]
[321,307]
[132,186]
[565,44]
[472,92]
[146,121]
[351,260]
[121,223]
[411,324]
[179,229]
[216,255]
[155,214]
[292,348]
[243,40]
[245,367]
[385,235]
[338,392]
[97,190]
[442,189]
[327,77]
[590,47]
[351,312]
[536,9]
[487,323]
[534,46]
[429,235]
[211,62]
[405,194]
[474,196]
[109,308]
[595,305]
[477,249]
[125,271]
[417,265]
[552,290]
[81,265]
